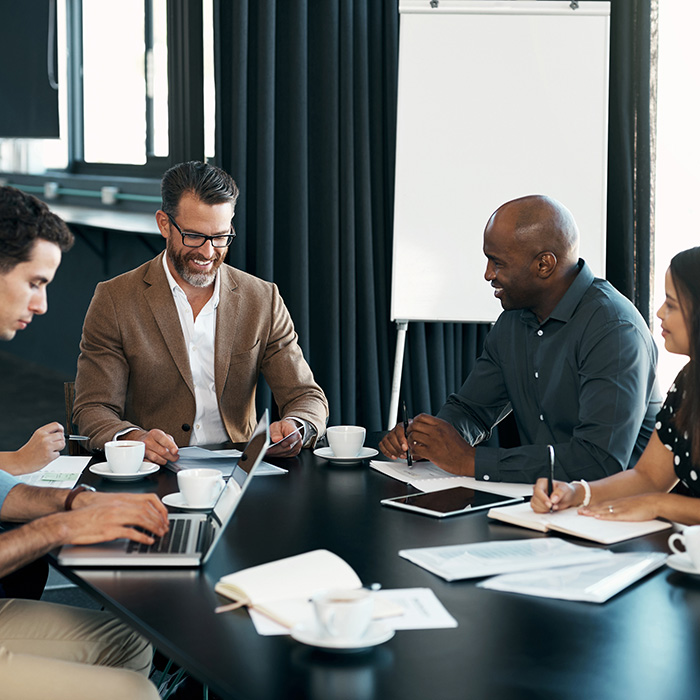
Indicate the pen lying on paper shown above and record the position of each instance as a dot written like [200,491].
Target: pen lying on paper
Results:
[77,437]
[298,430]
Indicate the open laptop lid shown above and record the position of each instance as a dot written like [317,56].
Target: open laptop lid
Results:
[240,479]
[119,553]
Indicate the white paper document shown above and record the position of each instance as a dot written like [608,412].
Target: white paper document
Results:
[593,583]
[420,608]
[462,561]
[426,476]
[194,457]
[62,473]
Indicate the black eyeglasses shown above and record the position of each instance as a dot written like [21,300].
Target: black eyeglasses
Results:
[197,240]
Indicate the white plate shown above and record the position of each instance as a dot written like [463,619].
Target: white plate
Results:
[104,471]
[177,500]
[327,453]
[681,563]
[377,633]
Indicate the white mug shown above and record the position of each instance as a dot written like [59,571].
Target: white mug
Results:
[690,539]
[200,487]
[344,613]
[346,440]
[125,456]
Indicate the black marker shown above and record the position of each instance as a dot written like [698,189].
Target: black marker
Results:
[409,459]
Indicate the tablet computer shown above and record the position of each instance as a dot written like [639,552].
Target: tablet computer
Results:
[453,501]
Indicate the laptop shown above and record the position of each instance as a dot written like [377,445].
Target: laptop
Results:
[192,537]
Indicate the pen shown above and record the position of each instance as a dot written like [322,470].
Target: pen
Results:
[409,459]
[77,437]
[550,478]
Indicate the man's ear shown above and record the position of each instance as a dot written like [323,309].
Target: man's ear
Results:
[163,223]
[546,264]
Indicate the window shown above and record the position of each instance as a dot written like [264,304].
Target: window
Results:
[678,154]
[124,70]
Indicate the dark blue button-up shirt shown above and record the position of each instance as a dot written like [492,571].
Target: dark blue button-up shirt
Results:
[583,381]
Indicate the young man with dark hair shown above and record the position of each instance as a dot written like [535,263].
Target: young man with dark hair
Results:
[172,351]
[27,228]
[47,650]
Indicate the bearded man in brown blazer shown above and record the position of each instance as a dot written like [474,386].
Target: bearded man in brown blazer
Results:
[171,351]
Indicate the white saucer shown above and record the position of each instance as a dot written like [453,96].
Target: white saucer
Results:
[327,453]
[104,471]
[377,633]
[177,500]
[682,563]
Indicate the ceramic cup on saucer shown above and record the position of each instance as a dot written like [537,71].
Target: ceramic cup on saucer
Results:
[690,540]
[346,440]
[125,456]
[200,487]
[344,613]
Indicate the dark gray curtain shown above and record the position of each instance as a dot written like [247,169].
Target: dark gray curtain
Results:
[631,152]
[306,125]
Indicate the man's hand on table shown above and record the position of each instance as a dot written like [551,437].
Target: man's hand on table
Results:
[433,439]
[160,447]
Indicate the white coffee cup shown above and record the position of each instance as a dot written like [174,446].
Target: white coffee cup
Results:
[690,539]
[125,456]
[346,440]
[344,613]
[200,487]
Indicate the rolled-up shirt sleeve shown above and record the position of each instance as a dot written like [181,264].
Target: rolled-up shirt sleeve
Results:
[7,483]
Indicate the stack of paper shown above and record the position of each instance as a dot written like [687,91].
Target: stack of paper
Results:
[426,476]
[593,583]
[462,561]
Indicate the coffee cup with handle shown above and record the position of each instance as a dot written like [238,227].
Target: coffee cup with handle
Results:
[125,456]
[346,440]
[344,614]
[200,487]
[690,541]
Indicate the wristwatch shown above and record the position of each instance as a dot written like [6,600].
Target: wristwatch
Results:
[68,505]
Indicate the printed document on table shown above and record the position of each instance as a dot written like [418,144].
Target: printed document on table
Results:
[462,561]
[62,473]
[592,583]
[194,457]
[426,476]
[420,609]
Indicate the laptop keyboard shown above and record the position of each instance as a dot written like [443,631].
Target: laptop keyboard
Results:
[173,542]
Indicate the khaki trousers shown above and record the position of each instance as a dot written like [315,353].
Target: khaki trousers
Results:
[65,653]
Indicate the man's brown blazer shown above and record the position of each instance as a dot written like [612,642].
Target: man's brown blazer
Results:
[134,371]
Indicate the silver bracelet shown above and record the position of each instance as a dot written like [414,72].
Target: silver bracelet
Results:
[586,490]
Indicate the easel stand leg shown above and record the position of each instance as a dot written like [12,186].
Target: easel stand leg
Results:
[401,331]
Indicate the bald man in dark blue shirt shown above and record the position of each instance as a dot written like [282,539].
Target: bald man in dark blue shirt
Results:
[570,356]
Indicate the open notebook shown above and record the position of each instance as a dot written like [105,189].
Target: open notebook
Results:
[192,537]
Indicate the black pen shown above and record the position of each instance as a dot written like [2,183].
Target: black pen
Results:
[409,459]
[550,478]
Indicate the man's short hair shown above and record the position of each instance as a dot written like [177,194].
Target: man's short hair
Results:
[24,219]
[208,183]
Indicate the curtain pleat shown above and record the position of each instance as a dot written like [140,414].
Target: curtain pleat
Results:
[632,124]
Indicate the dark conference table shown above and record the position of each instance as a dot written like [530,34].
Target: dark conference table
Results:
[643,643]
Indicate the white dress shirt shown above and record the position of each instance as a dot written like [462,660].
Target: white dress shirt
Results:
[200,334]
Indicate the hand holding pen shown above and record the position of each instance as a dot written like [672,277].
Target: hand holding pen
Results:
[550,477]
[409,458]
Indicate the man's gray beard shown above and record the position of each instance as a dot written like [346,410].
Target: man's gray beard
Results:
[196,279]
